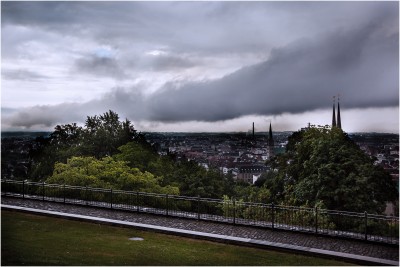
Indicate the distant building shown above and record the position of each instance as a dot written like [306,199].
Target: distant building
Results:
[250,173]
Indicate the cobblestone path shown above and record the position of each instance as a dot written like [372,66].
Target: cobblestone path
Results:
[389,252]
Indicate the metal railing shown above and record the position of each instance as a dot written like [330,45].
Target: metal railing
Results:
[370,227]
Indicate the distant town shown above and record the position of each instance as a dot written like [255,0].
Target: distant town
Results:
[242,155]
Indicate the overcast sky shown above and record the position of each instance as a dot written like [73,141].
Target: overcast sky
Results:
[200,66]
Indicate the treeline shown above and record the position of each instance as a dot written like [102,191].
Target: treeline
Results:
[112,154]
[321,167]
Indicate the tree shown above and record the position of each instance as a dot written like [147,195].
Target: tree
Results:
[192,179]
[325,166]
[107,173]
[138,156]
[105,133]
[100,137]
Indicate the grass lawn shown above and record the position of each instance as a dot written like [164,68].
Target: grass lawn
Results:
[28,239]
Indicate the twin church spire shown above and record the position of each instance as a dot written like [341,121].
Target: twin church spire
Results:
[338,122]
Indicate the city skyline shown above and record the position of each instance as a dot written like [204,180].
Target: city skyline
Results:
[201,66]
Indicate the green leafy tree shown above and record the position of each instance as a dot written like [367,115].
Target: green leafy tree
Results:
[192,179]
[139,156]
[325,166]
[104,134]
[107,173]
[100,137]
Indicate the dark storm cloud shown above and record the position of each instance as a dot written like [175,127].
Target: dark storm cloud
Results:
[127,103]
[42,116]
[362,65]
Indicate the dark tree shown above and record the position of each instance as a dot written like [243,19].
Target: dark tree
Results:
[101,136]
[325,166]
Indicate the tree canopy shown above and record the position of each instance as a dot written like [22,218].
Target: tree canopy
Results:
[192,179]
[107,173]
[100,137]
[108,153]
[325,166]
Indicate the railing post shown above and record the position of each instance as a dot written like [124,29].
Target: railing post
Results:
[166,203]
[43,191]
[5,186]
[234,211]
[86,195]
[137,202]
[366,224]
[111,198]
[23,189]
[316,219]
[64,192]
[273,215]
[198,207]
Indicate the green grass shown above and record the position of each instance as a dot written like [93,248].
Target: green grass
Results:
[38,240]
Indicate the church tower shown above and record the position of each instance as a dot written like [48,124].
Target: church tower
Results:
[339,122]
[270,143]
[336,122]
[333,115]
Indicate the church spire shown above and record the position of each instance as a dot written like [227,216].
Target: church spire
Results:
[270,142]
[270,138]
[333,115]
[339,123]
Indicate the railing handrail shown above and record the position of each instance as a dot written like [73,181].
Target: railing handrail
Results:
[373,227]
[321,211]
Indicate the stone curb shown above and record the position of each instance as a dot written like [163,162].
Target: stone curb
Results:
[351,258]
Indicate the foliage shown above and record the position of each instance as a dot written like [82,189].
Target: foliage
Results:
[324,165]
[192,179]
[104,136]
[100,137]
[106,173]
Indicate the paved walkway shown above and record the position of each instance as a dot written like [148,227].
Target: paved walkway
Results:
[335,245]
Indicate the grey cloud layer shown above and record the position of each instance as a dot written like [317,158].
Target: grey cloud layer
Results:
[22,74]
[100,66]
[361,65]
[319,49]
[200,26]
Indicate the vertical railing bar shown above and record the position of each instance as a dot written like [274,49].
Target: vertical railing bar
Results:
[86,195]
[64,193]
[198,207]
[234,211]
[263,214]
[366,224]
[316,219]
[166,203]
[43,191]
[137,202]
[273,215]
[111,198]
[23,189]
